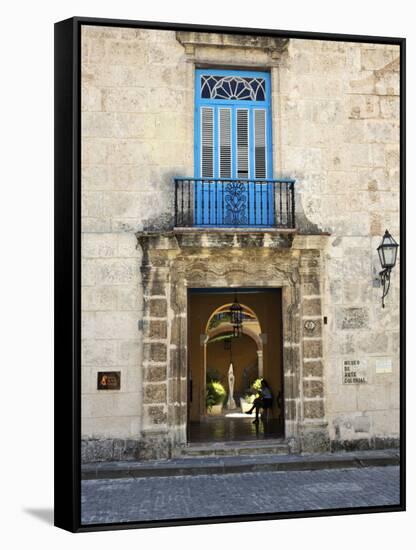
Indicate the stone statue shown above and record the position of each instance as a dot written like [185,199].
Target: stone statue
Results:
[231,378]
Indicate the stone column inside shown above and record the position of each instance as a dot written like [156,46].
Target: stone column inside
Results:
[260,362]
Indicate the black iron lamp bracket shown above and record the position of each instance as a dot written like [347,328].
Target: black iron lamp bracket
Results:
[385,282]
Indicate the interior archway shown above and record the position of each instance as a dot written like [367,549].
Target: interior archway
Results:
[243,353]
[220,314]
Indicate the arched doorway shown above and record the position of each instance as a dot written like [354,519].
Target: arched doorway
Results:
[222,363]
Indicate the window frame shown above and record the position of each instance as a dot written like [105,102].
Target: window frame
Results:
[234,104]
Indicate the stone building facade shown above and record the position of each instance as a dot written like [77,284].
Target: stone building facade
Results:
[335,130]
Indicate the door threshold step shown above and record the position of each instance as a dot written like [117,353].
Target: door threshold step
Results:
[235,448]
[208,465]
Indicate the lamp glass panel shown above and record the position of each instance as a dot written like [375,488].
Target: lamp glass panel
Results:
[390,255]
[381,256]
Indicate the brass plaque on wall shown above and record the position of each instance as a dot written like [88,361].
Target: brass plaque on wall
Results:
[108,381]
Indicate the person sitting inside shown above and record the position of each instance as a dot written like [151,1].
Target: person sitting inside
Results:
[263,401]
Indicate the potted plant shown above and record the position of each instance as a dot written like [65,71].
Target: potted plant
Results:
[215,397]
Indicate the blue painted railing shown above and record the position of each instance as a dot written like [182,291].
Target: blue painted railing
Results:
[202,202]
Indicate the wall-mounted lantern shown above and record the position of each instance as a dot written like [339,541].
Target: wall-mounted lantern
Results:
[387,252]
[236,317]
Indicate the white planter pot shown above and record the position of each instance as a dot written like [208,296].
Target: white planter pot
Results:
[216,410]
[245,405]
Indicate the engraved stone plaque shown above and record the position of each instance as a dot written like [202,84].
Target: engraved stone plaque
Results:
[354,371]
[352,318]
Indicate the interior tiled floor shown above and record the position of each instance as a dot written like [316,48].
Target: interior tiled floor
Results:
[234,426]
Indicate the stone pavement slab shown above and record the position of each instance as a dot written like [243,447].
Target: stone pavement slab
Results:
[202,496]
[238,464]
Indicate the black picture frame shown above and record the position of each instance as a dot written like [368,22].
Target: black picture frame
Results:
[67,271]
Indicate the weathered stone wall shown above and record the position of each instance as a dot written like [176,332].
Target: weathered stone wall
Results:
[335,129]
[340,139]
[136,135]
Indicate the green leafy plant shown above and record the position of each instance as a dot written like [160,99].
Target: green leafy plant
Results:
[254,391]
[256,385]
[215,394]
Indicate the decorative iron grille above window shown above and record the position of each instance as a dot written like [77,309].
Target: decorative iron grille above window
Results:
[233,87]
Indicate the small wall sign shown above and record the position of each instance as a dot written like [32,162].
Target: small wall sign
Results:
[354,371]
[108,381]
[384,366]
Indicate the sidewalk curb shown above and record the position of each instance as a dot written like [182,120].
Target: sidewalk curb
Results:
[221,466]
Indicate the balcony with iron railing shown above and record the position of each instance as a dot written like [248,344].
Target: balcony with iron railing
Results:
[234,203]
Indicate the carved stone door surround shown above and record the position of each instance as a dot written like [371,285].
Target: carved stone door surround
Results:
[176,261]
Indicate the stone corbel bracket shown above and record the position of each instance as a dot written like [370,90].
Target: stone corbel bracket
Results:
[198,45]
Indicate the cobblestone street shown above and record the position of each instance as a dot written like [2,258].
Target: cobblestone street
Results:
[174,497]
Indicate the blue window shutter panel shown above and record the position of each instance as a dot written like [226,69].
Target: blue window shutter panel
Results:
[207,142]
[242,136]
[225,153]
